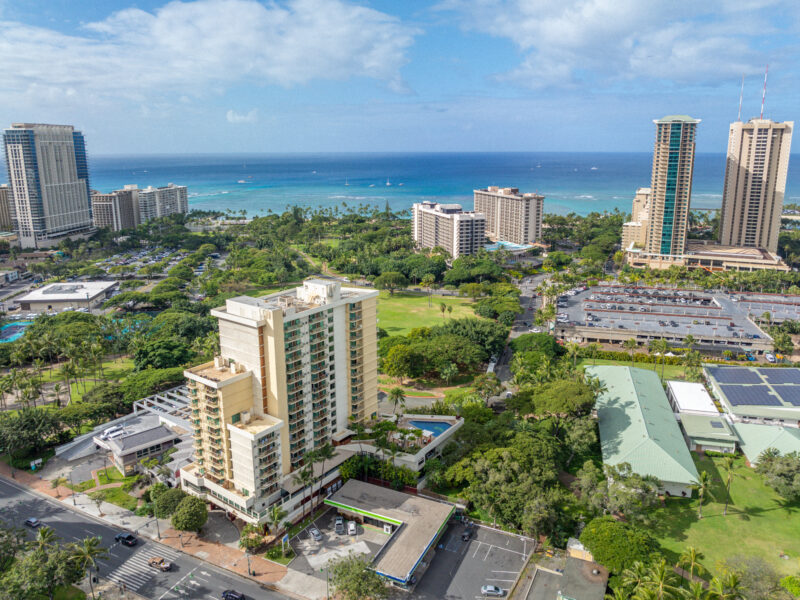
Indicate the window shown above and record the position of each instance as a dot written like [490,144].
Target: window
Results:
[236,418]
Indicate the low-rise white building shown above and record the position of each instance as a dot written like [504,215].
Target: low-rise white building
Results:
[691,398]
[58,296]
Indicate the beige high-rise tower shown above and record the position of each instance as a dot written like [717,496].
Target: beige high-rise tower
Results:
[755,182]
[671,184]
[510,216]
[294,368]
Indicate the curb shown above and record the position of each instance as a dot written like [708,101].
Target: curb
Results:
[76,508]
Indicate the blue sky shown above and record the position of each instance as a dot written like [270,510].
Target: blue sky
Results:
[393,75]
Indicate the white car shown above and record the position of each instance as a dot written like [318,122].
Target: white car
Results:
[492,590]
[770,357]
[352,529]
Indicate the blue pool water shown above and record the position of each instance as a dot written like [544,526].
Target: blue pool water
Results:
[437,428]
[11,332]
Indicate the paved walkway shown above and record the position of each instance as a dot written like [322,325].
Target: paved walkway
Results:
[290,582]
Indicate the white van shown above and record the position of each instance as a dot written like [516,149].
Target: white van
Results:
[110,431]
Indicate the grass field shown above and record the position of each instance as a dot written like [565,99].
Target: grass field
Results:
[400,313]
[70,593]
[758,523]
[121,498]
[670,371]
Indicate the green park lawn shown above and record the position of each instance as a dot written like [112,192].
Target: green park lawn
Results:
[112,475]
[670,371]
[70,593]
[758,523]
[400,313]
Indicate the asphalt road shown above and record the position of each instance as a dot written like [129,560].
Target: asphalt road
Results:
[190,578]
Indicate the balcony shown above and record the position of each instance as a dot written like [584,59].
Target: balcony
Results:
[211,401]
[320,435]
[319,405]
[297,427]
[319,376]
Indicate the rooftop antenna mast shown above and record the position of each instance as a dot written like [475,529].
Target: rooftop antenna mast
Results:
[764,93]
[741,93]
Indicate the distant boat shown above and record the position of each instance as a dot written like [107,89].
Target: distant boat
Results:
[594,169]
[539,166]
[345,182]
[388,183]
[371,185]
[399,184]
[314,172]
[241,181]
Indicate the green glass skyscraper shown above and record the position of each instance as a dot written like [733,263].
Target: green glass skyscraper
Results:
[671,184]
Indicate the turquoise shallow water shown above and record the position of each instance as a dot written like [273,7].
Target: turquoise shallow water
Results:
[570,182]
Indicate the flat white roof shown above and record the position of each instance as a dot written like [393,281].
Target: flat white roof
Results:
[691,397]
[65,292]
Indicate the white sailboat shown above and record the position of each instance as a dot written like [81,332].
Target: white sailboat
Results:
[388,183]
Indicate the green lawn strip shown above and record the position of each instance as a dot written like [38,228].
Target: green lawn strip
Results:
[112,475]
[759,522]
[82,486]
[400,313]
[120,498]
[670,371]
[112,369]
[70,593]
[275,554]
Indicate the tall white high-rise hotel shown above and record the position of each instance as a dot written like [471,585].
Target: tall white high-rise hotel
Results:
[49,178]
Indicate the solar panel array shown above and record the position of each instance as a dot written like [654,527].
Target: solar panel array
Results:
[734,375]
[789,393]
[752,395]
[779,376]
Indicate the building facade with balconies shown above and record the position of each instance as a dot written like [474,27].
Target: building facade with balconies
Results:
[294,368]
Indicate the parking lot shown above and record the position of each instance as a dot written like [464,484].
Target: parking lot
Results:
[460,568]
[661,312]
[313,555]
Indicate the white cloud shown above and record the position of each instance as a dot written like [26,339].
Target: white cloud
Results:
[191,48]
[236,117]
[580,42]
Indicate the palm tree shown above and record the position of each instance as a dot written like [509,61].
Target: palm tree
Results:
[726,587]
[690,341]
[322,454]
[630,345]
[703,487]
[86,554]
[619,594]
[634,576]
[45,536]
[443,307]
[450,310]
[428,281]
[696,591]
[275,515]
[691,558]
[397,396]
[728,464]
[592,350]
[303,477]
[56,483]
[573,350]
[58,388]
[663,581]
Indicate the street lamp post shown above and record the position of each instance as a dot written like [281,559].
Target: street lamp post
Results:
[71,485]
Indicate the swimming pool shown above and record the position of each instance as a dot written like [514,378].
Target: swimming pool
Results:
[437,428]
[11,332]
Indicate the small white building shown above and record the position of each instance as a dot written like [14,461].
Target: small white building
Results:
[58,296]
[690,398]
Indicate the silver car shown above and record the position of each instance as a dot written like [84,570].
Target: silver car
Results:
[492,590]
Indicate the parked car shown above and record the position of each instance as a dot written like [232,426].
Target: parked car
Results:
[770,357]
[352,528]
[232,595]
[315,533]
[127,539]
[338,526]
[492,590]
[159,563]
[32,522]
[466,534]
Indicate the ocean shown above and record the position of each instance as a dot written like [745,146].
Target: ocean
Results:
[259,183]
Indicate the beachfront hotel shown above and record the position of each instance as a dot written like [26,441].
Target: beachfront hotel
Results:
[755,182]
[510,216]
[294,368]
[634,232]
[448,226]
[49,181]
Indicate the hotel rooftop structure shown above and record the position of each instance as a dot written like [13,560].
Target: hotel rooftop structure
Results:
[294,368]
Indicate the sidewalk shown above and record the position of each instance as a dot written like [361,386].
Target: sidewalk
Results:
[272,575]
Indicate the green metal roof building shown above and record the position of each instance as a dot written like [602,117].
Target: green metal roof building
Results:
[637,427]
[754,439]
[706,432]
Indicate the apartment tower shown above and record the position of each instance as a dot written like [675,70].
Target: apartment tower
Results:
[510,216]
[671,184]
[116,210]
[294,368]
[6,224]
[49,179]
[634,232]
[755,182]
[163,201]
[448,226]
